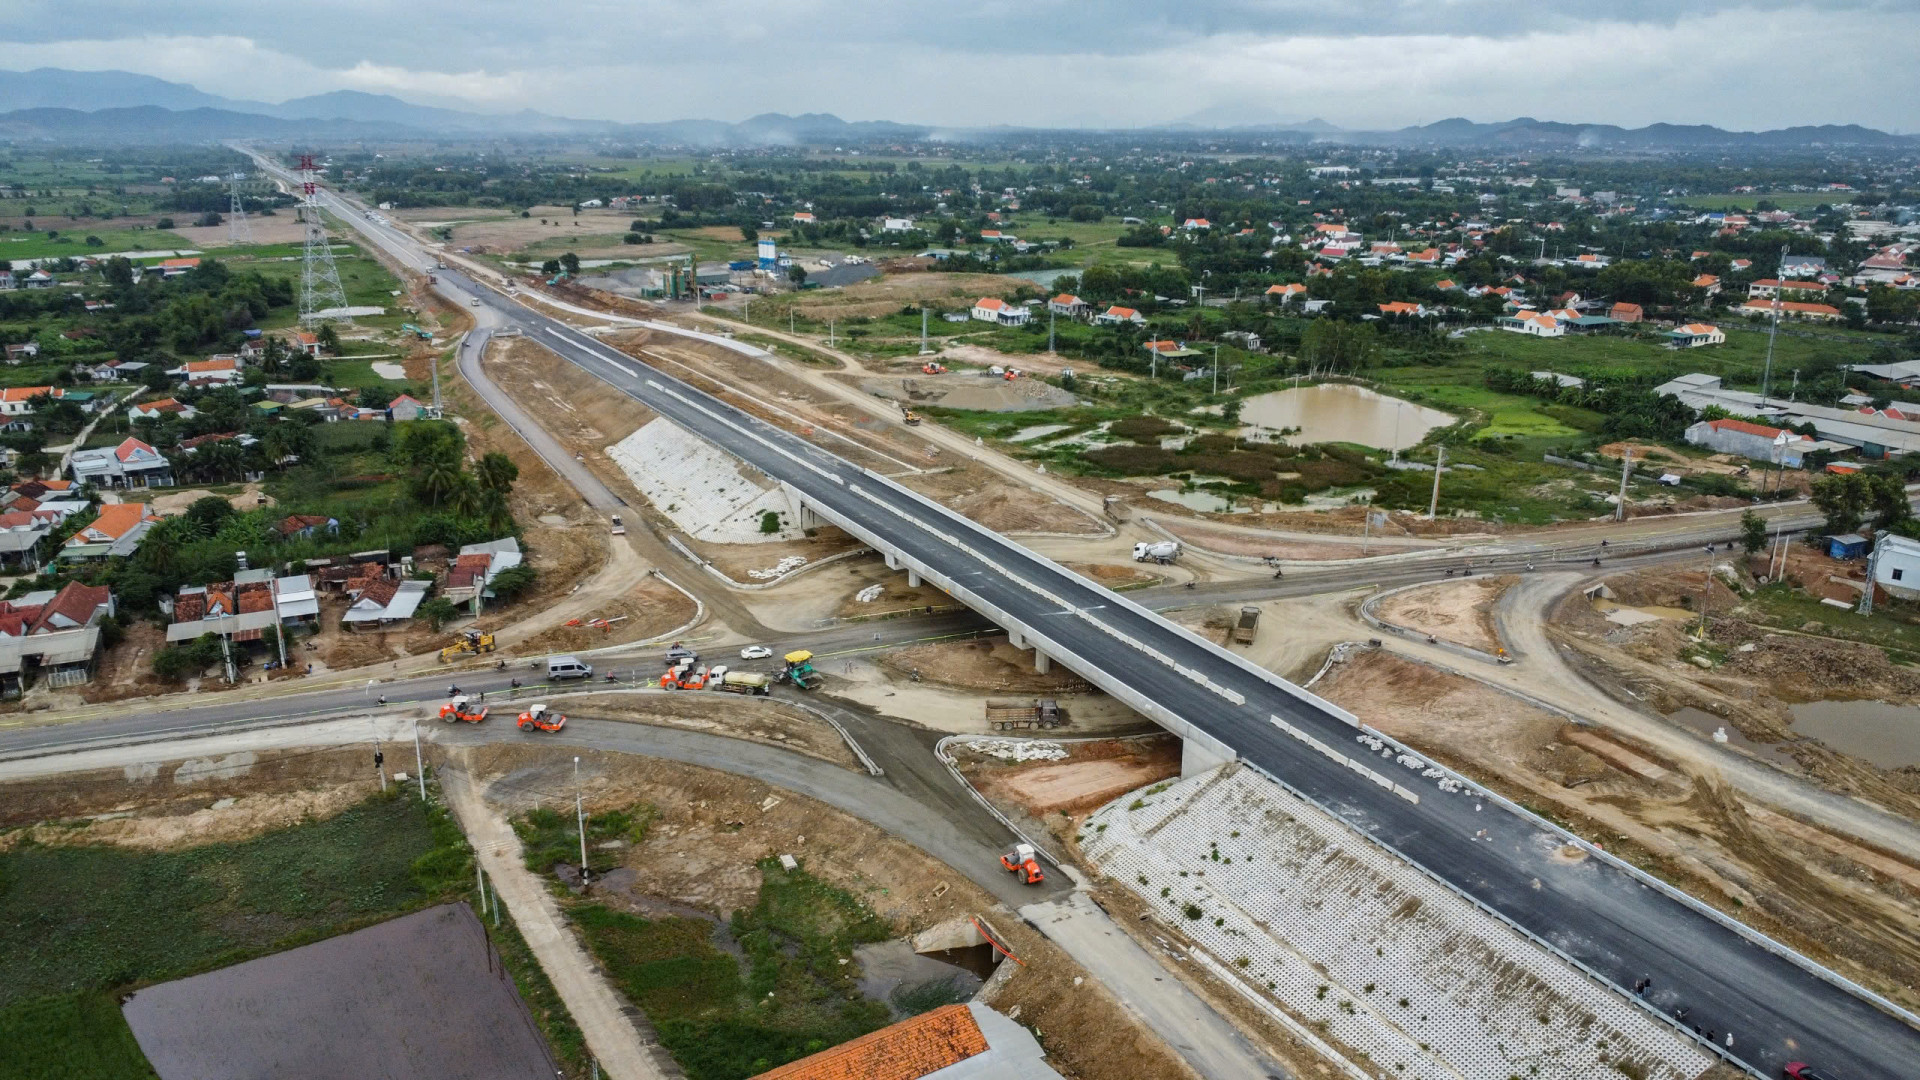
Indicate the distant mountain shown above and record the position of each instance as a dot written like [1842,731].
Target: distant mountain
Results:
[119,106]
[1527,133]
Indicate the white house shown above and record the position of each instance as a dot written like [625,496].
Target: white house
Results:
[995,310]
[1116,315]
[1696,335]
[1067,304]
[1896,565]
[1534,323]
[896,224]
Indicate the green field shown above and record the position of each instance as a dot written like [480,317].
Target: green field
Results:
[86,923]
[1742,357]
[72,240]
[727,1020]
[365,281]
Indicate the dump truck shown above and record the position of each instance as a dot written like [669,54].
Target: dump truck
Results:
[1022,863]
[910,417]
[1243,630]
[469,642]
[540,718]
[462,708]
[745,682]
[1163,552]
[799,670]
[1025,715]
[619,526]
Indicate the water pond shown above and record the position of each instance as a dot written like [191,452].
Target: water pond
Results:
[1338,412]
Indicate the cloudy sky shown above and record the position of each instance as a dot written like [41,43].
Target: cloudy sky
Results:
[1358,63]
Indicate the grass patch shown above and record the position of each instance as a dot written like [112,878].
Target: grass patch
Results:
[1783,606]
[725,1019]
[85,924]
[552,836]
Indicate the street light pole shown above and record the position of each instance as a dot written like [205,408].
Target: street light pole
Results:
[1779,276]
[1439,464]
[580,817]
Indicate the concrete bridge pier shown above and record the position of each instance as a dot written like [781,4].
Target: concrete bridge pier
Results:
[1197,756]
[893,561]
[1042,663]
[913,579]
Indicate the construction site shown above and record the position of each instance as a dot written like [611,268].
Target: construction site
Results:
[747,786]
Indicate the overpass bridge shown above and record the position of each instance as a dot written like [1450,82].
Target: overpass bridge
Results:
[1607,918]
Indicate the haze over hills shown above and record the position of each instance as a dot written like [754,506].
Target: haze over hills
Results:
[120,106]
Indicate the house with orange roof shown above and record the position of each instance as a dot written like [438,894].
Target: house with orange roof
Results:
[1791,309]
[1756,442]
[954,1042]
[1786,290]
[1402,307]
[18,400]
[214,371]
[1708,285]
[1287,294]
[997,311]
[116,533]
[1625,312]
[1695,335]
[1067,304]
[154,410]
[1525,321]
[1116,315]
[802,217]
[131,464]
[1196,224]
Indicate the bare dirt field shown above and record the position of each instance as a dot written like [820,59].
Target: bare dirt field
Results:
[1456,611]
[978,493]
[889,594]
[1824,894]
[888,293]
[506,233]
[981,356]
[183,803]
[991,665]
[710,829]
[176,502]
[752,719]
[745,562]
[1093,774]
[281,228]
[653,608]
[574,407]
[1115,575]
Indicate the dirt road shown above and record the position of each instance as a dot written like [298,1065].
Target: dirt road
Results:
[615,1044]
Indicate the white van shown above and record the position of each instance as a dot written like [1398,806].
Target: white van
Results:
[567,667]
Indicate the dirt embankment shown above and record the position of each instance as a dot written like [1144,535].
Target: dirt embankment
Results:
[710,829]
[752,719]
[178,804]
[981,495]
[991,665]
[653,608]
[1090,776]
[1457,611]
[1825,895]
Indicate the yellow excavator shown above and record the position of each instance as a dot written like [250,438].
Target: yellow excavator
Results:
[909,416]
[469,641]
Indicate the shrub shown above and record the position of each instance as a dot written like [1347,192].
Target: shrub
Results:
[1141,428]
[1132,460]
[769,523]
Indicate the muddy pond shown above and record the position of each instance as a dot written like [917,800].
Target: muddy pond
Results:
[1876,732]
[1338,412]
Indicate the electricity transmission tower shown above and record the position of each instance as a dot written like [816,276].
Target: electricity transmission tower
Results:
[239,229]
[321,296]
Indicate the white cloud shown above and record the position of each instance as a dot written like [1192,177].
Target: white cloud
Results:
[1360,63]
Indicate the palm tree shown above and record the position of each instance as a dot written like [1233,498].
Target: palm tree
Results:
[439,480]
[496,472]
[216,461]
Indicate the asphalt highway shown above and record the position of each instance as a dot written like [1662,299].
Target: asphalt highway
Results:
[1618,926]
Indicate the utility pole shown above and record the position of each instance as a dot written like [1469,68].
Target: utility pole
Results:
[1216,369]
[1439,464]
[1706,594]
[419,763]
[924,350]
[1626,470]
[1766,375]
[1050,317]
[829,333]
[789,320]
[1794,394]
[580,817]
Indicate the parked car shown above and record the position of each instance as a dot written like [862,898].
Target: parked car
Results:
[755,652]
[1800,1070]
